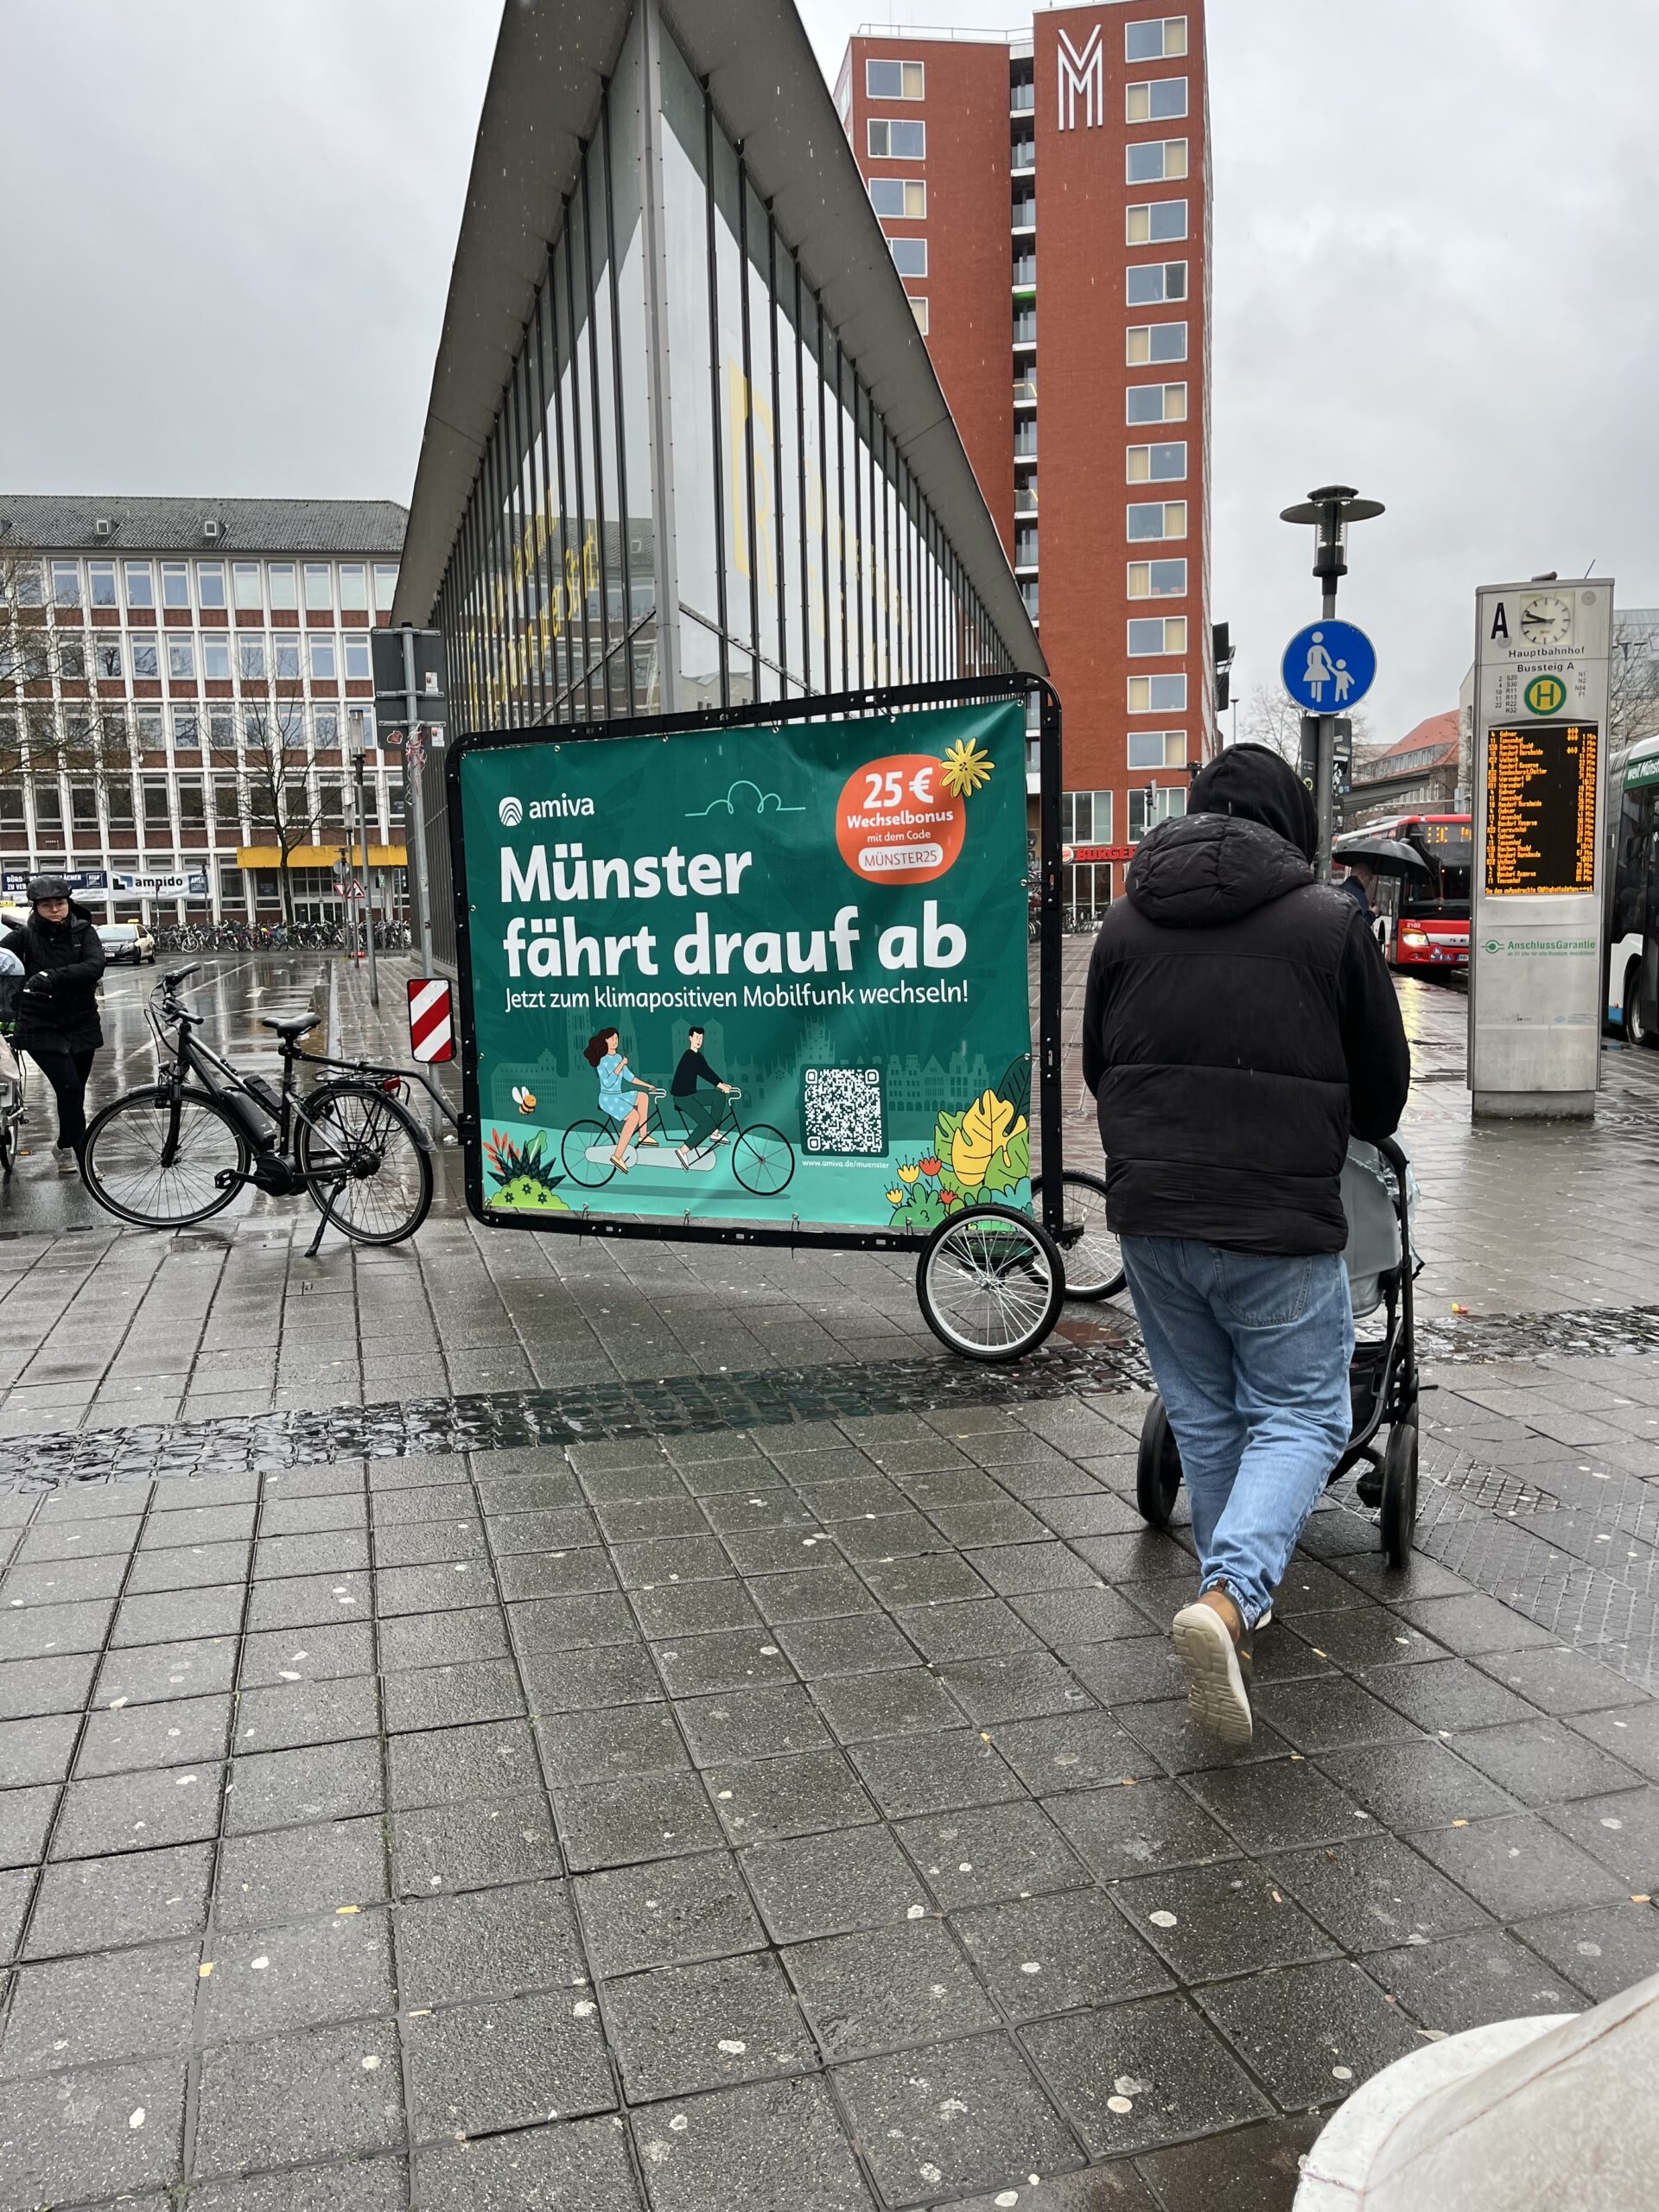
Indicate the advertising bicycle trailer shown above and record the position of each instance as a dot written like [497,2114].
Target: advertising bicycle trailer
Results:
[758,976]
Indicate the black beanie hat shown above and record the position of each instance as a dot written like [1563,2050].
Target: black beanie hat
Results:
[1256,784]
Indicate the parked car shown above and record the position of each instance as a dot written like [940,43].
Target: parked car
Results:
[133,941]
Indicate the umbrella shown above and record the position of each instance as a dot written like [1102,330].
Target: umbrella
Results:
[1388,856]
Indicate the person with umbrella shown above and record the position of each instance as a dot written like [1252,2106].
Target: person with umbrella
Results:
[1359,880]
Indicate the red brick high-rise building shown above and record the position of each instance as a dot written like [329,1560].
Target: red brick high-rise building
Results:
[1048,203]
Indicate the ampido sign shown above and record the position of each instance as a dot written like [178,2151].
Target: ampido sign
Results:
[1540,738]
[773,974]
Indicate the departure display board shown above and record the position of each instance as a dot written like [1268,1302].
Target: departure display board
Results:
[1541,809]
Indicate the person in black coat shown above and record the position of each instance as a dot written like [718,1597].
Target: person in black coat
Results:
[1239,1024]
[57,1015]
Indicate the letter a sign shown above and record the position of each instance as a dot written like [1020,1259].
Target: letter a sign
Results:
[1081,72]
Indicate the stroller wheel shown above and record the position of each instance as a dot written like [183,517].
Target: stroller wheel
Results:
[1158,1469]
[1399,1515]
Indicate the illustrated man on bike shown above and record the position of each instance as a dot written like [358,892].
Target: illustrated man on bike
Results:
[698,1109]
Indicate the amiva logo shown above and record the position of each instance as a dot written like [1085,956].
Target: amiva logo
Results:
[512,810]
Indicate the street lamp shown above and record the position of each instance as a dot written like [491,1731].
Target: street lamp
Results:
[1331,509]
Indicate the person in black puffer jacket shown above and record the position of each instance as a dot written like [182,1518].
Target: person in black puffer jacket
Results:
[1239,1024]
[57,1015]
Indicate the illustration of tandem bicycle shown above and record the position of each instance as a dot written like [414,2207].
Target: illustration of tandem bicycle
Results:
[762,1158]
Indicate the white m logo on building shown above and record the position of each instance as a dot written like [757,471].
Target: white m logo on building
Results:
[1081,72]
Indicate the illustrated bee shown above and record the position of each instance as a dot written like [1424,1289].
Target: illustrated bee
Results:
[523,1099]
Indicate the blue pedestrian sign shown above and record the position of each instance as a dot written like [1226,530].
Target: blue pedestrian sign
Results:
[1329,667]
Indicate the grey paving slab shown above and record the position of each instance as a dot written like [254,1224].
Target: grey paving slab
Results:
[75,2137]
[475,1845]
[295,2099]
[182,1732]
[1601,1949]
[199,1667]
[1465,1981]
[646,1817]
[728,1659]
[581,2166]
[25,1821]
[423,1641]
[963,2115]
[934,1773]
[666,1912]
[450,1766]
[17,1888]
[96,1905]
[1124,1830]
[28,1687]
[822,1592]
[180,1617]
[289,1715]
[1136,2076]
[751,2149]
[677,2029]
[296,1974]
[1558,1680]
[1326,1714]
[1071,1751]
[305,1600]
[487,1943]
[1361,1636]
[1375,1892]
[132,1812]
[1132,1670]
[888,1987]
[1252,2169]
[755,1723]
[604,1745]
[82,2011]
[1419,1785]
[272,1789]
[592,1680]
[1166,1729]
[379,2184]
[1039,1955]
[293,1873]
[1630,1733]
[1312,2033]
[1273,1805]
[475,2069]
[42,1628]
[38,1750]
[759,1800]
[1542,1762]
[1620,1829]
[991,1852]
[833,1883]
[815,1648]
[1225,1919]
[694,1608]
[1445,1694]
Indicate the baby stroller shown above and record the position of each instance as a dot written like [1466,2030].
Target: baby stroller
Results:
[1377,1190]
[12,1085]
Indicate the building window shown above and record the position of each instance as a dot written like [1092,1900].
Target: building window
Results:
[141,584]
[83,810]
[176,583]
[905,197]
[209,583]
[895,80]
[1163,633]
[117,798]
[286,652]
[106,658]
[248,593]
[1152,283]
[1155,160]
[385,585]
[1156,222]
[1162,100]
[318,588]
[1029,593]
[186,730]
[1156,403]
[182,659]
[1161,39]
[1157,579]
[1025,548]
[919,308]
[284,590]
[357,659]
[1158,518]
[353,584]
[890,140]
[250,657]
[150,729]
[72,661]
[216,659]
[193,807]
[323,668]
[1023,94]
[1085,817]
[909,256]
[1161,464]
[1157,694]
[48,808]
[1156,342]
[146,662]
[158,815]
[1022,154]
[1157,748]
[100,583]
[1023,215]
[1148,808]
[66,583]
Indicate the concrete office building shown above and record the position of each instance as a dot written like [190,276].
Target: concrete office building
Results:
[685,444]
[1046,203]
[177,681]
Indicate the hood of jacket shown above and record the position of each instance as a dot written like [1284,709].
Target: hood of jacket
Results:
[1198,870]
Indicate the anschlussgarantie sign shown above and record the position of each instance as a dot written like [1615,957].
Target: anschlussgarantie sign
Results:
[773,974]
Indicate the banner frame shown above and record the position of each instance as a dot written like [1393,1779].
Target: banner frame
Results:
[823,707]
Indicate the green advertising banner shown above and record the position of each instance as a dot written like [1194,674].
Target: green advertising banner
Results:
[773,974]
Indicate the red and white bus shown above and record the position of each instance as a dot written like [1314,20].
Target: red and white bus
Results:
[1423,921]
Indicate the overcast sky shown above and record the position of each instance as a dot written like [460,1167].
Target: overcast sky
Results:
[229,233]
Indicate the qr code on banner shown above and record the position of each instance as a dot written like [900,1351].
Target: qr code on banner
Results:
[842,1110]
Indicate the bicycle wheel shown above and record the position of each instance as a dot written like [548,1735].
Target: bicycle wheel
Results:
[364,1162]
[1094,1267]
[990,1283]
[163,1163]
[580,1139]
[8,1143]
[763,1159]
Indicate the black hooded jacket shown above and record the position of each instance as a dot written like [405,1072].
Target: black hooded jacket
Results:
[62,962]
[1239,1023]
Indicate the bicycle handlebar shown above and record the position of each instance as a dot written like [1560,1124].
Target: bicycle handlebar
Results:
[179,974]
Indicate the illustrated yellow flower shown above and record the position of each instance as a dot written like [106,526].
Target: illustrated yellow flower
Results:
[966,768]
[895,1198]
[908,1174]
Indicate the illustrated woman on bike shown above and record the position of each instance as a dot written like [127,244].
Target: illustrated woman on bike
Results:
[624,1097]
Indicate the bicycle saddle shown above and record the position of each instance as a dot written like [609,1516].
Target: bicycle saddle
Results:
[290,1025]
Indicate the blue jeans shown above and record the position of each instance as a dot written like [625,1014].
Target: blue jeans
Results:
[1250,1352]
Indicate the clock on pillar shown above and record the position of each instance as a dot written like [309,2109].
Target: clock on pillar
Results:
[1546,619]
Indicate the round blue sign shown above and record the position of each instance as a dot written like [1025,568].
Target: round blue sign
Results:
[1329,667]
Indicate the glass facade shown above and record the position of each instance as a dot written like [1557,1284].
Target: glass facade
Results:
[802,557]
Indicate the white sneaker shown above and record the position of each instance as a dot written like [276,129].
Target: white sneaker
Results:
[1217,1697]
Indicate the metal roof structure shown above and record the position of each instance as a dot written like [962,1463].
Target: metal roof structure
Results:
[540,103]
[66,522]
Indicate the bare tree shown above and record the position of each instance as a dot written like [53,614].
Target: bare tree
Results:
[53,720]
[1271,718]
[1632,691]
[271,766]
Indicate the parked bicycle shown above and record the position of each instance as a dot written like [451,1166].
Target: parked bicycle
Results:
[14,1081]
[178,1151]
[763,1158]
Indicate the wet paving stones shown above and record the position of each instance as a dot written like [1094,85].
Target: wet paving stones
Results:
[1312,2033]
[833,1882]
[1139,2075]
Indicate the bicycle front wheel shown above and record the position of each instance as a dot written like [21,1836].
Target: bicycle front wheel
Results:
[763,1159]
[990,1283]
[162,1162]
[364,1162]
[1094,1266]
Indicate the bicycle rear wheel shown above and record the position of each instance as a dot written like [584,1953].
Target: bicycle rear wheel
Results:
[1094,1266]
[364,1162]
[763,1159]
[162,1162]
